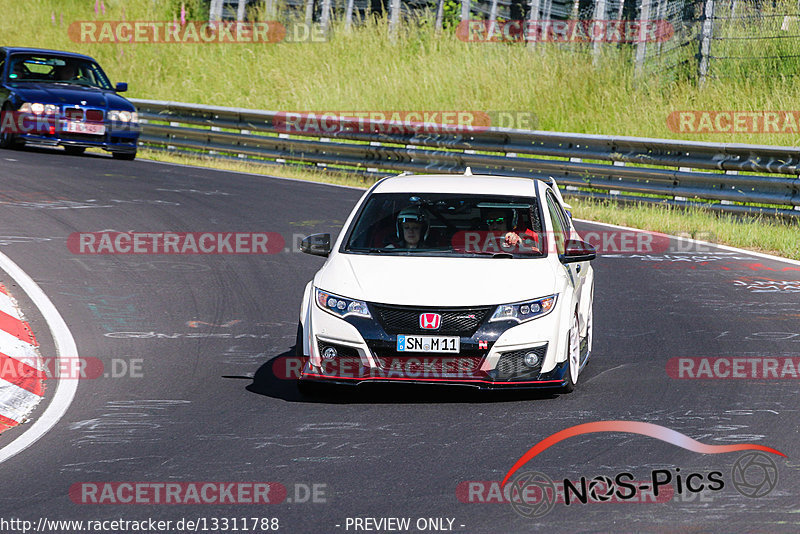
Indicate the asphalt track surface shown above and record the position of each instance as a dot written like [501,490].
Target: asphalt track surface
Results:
[212,409]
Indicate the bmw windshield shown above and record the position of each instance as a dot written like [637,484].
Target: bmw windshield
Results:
[447,224]
[62,70]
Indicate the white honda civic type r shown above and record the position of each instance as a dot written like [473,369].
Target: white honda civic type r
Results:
[453,279]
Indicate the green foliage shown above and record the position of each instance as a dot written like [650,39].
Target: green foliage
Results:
[452,14]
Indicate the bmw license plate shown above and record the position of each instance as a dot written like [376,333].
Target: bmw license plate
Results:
[407,343]
[86,128]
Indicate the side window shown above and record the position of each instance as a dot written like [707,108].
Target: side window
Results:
[560,230]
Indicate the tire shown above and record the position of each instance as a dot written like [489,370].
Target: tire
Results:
[590,324]
[8,139]
[573,355]
[127,156]
[74,150]
[298,344]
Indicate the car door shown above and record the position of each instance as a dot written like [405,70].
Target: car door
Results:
[562,231]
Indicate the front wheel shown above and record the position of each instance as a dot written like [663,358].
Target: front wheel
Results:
[573,355]
[7,138]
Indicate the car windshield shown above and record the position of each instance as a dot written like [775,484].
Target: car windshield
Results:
[451,224]
[37,68]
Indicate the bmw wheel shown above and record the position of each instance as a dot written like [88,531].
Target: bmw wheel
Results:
[7,139]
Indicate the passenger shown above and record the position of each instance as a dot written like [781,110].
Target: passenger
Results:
[499,222]
[19,70]
[412,229]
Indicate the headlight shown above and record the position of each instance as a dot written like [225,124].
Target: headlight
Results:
[525,311]
[37,109]
[341,306]
[123,116]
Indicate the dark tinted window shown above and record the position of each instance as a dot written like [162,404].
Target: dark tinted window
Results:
[38,68]
[446,224]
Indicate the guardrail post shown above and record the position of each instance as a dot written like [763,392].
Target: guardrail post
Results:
[439,15]
[309,14]
[492,16]
[326,16]
[535,25]
[348,16]
[706,33]
[215,10]
[394,17]
[465,10]
[641,45]
[599,14]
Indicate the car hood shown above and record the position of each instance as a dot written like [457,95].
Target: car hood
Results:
[429,281]
[50,93]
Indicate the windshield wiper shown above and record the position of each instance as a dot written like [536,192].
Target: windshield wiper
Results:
[489,253]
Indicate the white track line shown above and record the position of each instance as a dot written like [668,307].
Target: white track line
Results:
[690,240]
[65,348]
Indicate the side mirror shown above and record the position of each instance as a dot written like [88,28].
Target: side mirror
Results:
[576,251]
[317,244]
[121,87]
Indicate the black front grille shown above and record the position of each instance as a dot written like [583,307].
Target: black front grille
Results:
[512,364]
[461,322]
[72,136]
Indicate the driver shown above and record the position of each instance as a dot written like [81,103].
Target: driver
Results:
[67,72]
[412,228]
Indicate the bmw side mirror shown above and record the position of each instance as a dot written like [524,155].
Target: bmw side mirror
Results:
[317,244]
[121,87]
[576,250]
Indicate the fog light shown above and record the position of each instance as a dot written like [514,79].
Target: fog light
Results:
[531,359]
[329,353]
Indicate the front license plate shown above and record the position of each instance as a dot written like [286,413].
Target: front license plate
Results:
[450,344]
[86,128]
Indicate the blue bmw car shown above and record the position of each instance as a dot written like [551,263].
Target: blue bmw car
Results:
[57,98]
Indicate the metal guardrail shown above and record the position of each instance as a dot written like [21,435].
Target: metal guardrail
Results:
[656,170]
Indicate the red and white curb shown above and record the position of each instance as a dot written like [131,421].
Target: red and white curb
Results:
[21,365]
[20,394]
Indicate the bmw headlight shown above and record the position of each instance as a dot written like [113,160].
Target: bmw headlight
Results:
[38,109]
[117,115]
[525,311]
[341,306]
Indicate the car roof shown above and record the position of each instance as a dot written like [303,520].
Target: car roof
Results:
[457,183]
[15,50]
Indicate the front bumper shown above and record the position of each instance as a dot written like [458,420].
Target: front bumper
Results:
[112,141]
[491,354]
